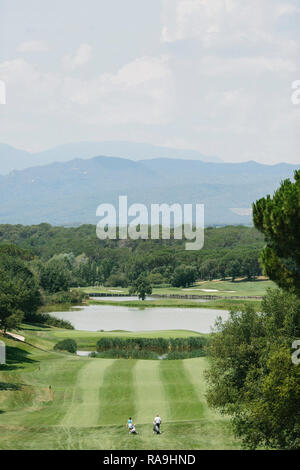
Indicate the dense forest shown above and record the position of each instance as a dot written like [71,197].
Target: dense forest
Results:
[72,257]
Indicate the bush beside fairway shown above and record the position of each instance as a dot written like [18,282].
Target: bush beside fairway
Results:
[90,400]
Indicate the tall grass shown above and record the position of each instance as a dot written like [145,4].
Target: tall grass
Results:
[151,348]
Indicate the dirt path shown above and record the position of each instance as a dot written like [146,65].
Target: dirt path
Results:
[15,336]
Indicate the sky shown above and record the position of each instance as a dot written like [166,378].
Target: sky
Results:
[210,75]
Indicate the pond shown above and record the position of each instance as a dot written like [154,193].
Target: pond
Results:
[109,318]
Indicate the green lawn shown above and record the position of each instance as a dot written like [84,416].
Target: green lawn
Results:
[219,288]
[226,290]
[231,289]
[46,337]
[90,400]
[219,304]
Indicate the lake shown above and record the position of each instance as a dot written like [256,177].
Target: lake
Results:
[109,317]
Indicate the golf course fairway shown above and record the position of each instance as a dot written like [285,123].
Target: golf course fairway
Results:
[51,400]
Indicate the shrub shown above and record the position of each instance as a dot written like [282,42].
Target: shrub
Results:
[74,297]
[185,354]
[47,319]
[144,354]
[68,344]
[157,345]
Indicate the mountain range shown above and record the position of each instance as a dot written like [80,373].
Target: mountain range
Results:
[68,193]
[15,159]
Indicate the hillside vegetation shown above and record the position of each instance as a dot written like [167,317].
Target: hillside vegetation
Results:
[70,192]
[75,257]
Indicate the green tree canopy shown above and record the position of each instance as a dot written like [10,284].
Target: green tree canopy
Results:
[233,269]
[278,218]
[55,276]
[252,377]
[19,293]
[17,252]
[141,287]
[184,276]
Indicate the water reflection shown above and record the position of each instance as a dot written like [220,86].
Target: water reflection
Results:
[109,317]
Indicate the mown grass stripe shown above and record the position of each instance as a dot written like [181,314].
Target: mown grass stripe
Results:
[196,370]
[84,406]
[183,399]
[49,405]
[149,392]
[117,396]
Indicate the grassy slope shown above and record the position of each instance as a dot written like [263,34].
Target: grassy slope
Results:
[220,304]
[86,340]
[90,400]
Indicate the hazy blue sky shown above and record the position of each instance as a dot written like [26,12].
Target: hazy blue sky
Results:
[213,75]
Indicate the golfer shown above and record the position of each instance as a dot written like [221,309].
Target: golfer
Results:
[129,423]
[157,423]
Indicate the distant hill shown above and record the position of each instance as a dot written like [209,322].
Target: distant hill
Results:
[15,159]
[11,158]
[68,193]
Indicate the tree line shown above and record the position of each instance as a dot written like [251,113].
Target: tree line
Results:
[74,257]
[21,292]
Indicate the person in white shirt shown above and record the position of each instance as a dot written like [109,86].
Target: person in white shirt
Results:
[157,423]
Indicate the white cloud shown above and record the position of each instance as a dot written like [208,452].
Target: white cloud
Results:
[33,46]
[233,69]
[142,70]
[185,19]
[2,92]
[214,20]
[139,92]
[219,81]
[242,211]
[286,9]
[81,57]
